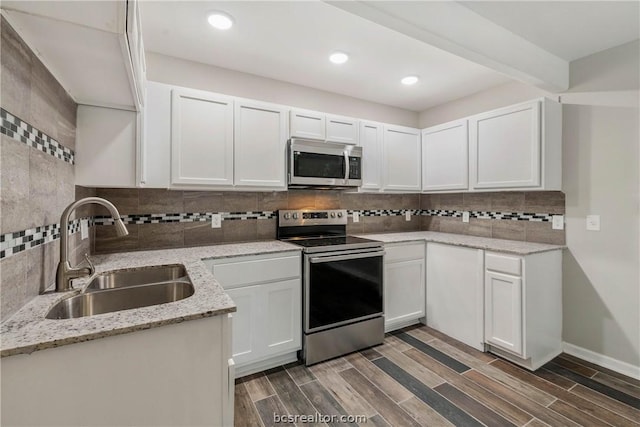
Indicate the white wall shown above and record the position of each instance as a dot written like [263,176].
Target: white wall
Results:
[601,272]
[170,70]
[496,97]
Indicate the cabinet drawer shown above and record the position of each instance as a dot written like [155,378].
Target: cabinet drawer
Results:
[504,263]
[251,271]
[404,252]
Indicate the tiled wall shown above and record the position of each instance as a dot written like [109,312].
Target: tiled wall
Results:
[36,170]
[165,219]
[194,233]
[491,204]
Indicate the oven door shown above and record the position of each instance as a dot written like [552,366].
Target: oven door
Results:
[342,287]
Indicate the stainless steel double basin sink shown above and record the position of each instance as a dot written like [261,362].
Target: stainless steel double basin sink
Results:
[126,289]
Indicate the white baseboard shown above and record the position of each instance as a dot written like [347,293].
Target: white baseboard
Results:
[605,361]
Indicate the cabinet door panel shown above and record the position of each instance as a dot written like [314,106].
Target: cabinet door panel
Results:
[342,129]
[245,335]
[259,145]
[404,291]
[201,138]
[505,147]
[445,159]
[283,321]
[401,160]
[371,143]
[455,292]
[307,124]
[503,313]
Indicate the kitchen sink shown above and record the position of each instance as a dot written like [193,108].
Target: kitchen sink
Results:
[122,298]
[142,276]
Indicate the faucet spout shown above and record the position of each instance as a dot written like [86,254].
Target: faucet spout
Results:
[65,272]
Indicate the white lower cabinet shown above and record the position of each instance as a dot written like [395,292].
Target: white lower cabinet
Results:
[173,375]
[523,307]
[404,285]
[455,292]
[267,290]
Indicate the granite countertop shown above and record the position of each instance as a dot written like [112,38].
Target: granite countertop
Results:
[28,330]
[498,245]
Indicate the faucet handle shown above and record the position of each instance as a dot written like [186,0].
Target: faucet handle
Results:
[92,269]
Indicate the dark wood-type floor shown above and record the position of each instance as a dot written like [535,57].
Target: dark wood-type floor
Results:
[420,377]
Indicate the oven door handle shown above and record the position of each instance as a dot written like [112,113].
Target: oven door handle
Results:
[321,259]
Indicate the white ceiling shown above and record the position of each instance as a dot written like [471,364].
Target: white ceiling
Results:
[568,29]
[291,41]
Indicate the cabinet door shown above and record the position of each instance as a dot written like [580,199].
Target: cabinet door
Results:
[201,138]
[401,158]
[342,129]
[445,157]
[260,142]
[404,292]
[455,292]
[246,324]
[371,143]
[307,124]
[505,147]
[281,327]
[503,311]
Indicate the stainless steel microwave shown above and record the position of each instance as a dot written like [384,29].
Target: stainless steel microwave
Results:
[324,164]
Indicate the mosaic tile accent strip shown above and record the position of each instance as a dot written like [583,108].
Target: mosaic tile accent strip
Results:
[184,217]
[13,243]
[513,216]
[19,241]
[22,131]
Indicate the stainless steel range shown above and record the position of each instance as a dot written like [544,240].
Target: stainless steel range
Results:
[342,284]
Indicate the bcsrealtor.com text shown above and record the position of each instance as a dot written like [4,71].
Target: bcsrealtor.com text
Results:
[317,418]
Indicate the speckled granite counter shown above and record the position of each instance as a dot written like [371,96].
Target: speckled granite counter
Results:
[498,245]
[28,330]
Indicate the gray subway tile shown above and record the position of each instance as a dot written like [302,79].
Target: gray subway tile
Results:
[126,200]
[14,181]
[160,236]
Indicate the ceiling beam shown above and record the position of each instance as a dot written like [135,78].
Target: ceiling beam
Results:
[456,29]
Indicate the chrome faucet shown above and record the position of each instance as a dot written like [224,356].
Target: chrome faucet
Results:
[65,272]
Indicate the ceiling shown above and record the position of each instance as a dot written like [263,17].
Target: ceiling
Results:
[568,29]
[291,41]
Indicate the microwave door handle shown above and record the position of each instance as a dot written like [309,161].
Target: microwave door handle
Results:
[346,165]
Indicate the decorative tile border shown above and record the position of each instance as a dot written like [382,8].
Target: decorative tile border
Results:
[19,241]
[13,243]
[22,131]
[513,216]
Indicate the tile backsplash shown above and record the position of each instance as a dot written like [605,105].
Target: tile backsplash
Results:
[517,227]
[165,219]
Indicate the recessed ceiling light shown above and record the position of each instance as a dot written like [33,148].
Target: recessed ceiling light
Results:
[220,20]
[409,80]
[338,57]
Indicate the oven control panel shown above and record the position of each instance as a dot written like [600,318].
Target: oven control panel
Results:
[312,217]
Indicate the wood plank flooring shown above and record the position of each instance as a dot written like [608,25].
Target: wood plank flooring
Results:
[420,377]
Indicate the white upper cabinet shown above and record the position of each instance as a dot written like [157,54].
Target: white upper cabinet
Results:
[201,138]
[154,156]
[260,143]
[308,124]
[371,143]
[518,147]
[325,127]
[341,129]
[94,49]
[401,159]
[445,157]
